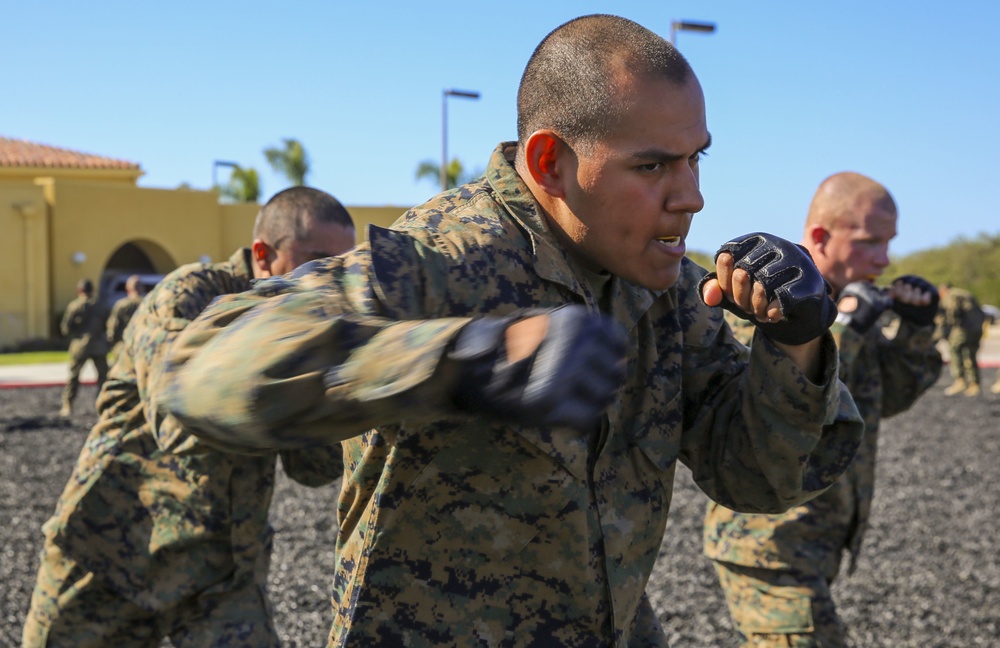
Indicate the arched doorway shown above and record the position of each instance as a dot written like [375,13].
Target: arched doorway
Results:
[140,257]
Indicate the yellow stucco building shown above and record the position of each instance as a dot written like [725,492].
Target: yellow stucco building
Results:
[66,215]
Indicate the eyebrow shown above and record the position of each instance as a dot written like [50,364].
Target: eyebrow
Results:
[659,155]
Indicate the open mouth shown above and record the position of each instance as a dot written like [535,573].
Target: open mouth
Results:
[670,241]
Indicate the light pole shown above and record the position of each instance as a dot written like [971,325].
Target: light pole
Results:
[689,25]
[215,165]
[467,94]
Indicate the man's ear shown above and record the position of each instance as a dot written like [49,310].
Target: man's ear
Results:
[545,156]
[818,236]
[260,253]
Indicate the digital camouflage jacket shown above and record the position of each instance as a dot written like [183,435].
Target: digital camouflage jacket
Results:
[83,324]
[457,530]
[121,314]
[885,376]
[149,508]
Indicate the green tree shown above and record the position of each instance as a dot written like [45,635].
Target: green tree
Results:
[455,174]
[702,259]
[243,186]
[973,264]
[290,161]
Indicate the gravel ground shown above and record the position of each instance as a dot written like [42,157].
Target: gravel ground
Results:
[929,577]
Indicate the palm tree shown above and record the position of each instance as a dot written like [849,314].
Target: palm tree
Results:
[290,161]
[454,175]
[244,185]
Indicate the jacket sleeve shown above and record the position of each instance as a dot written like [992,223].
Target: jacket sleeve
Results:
[112,331]
[71,321]
[309,359]
[760,437]
[909,362]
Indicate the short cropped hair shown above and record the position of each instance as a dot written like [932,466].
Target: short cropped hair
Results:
[569,83]
[835,203]
[289,213]
[86,286]
[134,284]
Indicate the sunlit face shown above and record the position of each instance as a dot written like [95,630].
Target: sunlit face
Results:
[324,240]
[629,204]
[859,250]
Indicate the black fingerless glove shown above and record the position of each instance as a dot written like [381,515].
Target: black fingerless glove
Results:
[860,304]
[570,379]
[789,275]
[919,315]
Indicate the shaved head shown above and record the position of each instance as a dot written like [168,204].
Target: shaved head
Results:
[842,199]
[133,285]
[573,82]
[290,215]
[851,221]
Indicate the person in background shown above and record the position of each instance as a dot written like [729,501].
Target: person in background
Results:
[776,570]
[962,327]
[83,324]
[157,534]
[516,367]
[124,309]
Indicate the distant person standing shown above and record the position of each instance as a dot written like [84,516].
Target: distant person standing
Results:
[83,324]
[963,328]
[124,309]
[776,570]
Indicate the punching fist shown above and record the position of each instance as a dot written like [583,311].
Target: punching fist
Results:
[560,367]
[860,304]
[915,299]
[774,284]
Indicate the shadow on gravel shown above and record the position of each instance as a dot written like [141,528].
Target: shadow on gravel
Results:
[29,423]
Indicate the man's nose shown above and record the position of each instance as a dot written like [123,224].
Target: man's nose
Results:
[685,194]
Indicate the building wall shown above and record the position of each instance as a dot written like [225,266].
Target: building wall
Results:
[24,275]
[56,231]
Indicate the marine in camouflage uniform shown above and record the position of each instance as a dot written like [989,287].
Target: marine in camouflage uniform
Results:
[123,310]
[157,534]
[962,324]
[776,570]
[457,529]
[83,324]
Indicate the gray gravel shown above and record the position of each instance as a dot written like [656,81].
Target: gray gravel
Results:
[929,577]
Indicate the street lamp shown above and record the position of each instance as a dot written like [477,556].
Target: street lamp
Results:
[689,25]
[215,165]
[467,94]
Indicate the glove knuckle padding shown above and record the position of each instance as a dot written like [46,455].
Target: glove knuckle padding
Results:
[569,380]
[921,315]
[788,274]
[870,300]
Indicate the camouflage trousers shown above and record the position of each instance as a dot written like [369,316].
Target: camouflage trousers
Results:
[772,608]
[963,363]
[72,607]
[76,363]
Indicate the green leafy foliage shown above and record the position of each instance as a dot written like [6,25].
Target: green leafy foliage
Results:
[972,264]
[290,160]
[243,186]
[702,259]
[455,174]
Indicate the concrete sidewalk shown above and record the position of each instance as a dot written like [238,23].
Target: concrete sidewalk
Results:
[46,374]
[55,373]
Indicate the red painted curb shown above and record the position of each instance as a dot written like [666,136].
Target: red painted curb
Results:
[18,385]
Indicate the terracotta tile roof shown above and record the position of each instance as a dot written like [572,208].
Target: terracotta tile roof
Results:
[21,153]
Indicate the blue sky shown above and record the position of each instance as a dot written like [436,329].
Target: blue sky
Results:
[908,93]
